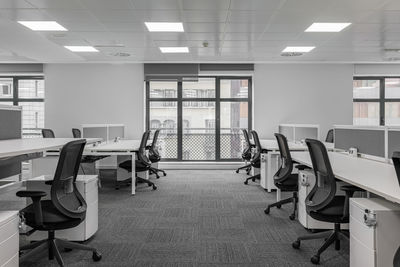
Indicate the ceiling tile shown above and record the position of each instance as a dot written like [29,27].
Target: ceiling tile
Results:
[260,5]
[24,14]
[107,4]
[125,26]
[156,4]
[204,27]
[205,16]
[206,4]
[61,15]
[15,4]
[245,27]
[249,16]
[70,4]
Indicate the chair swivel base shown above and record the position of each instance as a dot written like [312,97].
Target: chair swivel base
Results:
[279,204]
[148,182]
[246,167]
[332,236]
[156,171]
[52,244]
[253,178]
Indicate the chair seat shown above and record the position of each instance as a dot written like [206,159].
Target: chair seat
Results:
[139,166]
[333,212]
[52,218]
[154,158]
[290,184]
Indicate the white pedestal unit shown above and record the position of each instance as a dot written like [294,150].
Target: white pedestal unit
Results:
[306,183]
[88,187]
[269,166]
[374,232]
[9,239]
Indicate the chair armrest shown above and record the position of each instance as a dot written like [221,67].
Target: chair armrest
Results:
[148,147]
[37,206]
[50,182]
[32,194]
[349,190]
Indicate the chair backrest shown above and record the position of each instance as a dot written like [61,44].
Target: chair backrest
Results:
[154,142]
[64,194]
[76,133]
[330,137]
[48,133]
[246,154]
[324,189]
[142,156]
[396,259]
[286,168]
[396,164]
[257,154]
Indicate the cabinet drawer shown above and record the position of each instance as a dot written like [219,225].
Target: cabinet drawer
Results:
[360,231]
[10,228]
[8,248]
[360,255]
[13,262]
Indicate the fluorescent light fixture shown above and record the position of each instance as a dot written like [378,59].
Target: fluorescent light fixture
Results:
[182,49]
[164,26]
[298,49]
[327,27]
[43,25]
[81,48]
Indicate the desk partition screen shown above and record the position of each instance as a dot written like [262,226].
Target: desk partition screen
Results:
[287,131]
[306,132]
[393,141]
[298,132]
[94,132]
[367,141]
[11,121]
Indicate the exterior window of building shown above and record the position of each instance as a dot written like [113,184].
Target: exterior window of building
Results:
[376,101]
[29,93]
[201,116]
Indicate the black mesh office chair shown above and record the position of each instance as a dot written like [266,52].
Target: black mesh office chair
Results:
[330,137]
[246,154]
[256,159]
[66,208]
[396,164]
[154,155]
[88,159]
[396,259]
[48,133]
[284,179]
[142,163]
[76,133]
[322,203]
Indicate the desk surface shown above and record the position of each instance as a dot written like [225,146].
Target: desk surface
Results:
[376,177]
[272,144]
[15,147]
[121,145]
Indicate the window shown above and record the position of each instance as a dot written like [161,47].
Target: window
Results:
[376,101]
[27,92]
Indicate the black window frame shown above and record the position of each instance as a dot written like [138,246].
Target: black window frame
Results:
[15,98]
[217,99]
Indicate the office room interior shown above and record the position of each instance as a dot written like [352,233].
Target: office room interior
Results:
[200,133]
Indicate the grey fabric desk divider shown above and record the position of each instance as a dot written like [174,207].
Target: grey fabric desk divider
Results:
[117,131]
[287,131]
[95,132]
[393,141]
[306,132]
[11,128]
[370,141]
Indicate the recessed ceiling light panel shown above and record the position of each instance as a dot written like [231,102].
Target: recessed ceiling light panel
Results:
[181,49]
[164,26]
[327,27]
[298,49]
[81,48]
[43,25]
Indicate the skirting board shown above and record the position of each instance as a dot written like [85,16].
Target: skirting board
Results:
[200,165]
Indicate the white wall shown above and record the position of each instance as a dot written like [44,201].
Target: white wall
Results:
[94,93]
[302,93]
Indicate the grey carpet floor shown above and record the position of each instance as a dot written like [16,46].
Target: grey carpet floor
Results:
[195,218]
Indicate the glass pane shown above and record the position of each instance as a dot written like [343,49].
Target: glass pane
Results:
[198,141]
[365,113]
[202,88]
[164,116]
[6,88]
[392,88]
[31,88]
[366,88]
[392,113]
[234,88]
[234,116]
[163,89]
[6,103]
[32,118]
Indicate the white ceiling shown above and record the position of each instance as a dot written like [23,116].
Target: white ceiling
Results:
[236,30]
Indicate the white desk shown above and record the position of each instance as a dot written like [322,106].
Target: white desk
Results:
[373,176]
[120,148]
[270,161]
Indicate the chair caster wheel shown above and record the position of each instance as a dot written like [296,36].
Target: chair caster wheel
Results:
[296,244]
[67,249]
[315,259]
[165,174]
[154,187]
[237,171]
[292,217]
[158,176]
[266,211]
[278,206]
[246,182]
[96,256]
[253,179]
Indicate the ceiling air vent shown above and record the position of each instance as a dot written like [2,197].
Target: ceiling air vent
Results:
[120,54]
[291,54]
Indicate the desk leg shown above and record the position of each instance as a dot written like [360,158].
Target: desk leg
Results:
[278,195]
[133,158]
